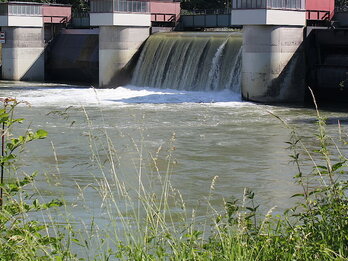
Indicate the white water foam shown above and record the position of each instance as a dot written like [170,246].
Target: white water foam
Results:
[63,96]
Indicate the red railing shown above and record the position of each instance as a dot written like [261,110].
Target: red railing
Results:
[158,17]
[322,15]
[57,19]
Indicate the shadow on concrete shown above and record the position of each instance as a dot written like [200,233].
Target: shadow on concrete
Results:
[327,63]
[291,81]
[289,86]
[35,71]
[73,58]
[124,76]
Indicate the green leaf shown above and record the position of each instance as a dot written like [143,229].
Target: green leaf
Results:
[321,167]
[297,195]
[41,134]
[337,166]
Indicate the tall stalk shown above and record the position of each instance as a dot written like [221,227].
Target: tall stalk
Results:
[2,162]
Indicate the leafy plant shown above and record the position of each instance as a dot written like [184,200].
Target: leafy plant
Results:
[21,237]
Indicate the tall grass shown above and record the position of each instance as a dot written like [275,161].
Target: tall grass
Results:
[21,236]
[144,223]
[155,225]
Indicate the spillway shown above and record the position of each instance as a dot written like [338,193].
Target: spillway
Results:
[190,61]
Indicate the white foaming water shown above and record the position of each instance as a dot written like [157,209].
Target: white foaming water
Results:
[63,96]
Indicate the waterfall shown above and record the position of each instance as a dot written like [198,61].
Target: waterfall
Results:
[234,81]
[190,61]
[214,74]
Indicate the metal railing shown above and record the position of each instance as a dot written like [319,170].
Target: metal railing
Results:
[57,19]
[20,9]
[318,15]
[159,17]
[206,11]
[128,6]
[269,4]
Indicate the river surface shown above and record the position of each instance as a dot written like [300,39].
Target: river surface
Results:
[209,134]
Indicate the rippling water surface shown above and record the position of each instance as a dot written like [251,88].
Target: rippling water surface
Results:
[216,134]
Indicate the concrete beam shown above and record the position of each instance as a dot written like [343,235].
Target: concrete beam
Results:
[268,17]
[120,19]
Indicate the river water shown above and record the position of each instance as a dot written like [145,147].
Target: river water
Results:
[216,134]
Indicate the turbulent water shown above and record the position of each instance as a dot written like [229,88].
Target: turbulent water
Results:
[191,62]
[216,135]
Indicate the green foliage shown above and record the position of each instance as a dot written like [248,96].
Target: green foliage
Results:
[203,4]
[21,237]
[77,5]
[315,228]
[341,3]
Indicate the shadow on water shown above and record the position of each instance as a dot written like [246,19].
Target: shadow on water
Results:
[15,87]
[329,120]
[177,97]
[152,98]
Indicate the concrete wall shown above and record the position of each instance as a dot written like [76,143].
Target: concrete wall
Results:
[327,63]
[273,66]
[117,45]
[21,21]
[23,54]
[120,19]
[73,57]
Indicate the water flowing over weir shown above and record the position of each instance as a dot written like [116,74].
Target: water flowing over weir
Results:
[191,62]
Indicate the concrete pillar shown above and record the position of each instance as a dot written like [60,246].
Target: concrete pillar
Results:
[273,67]
[117,45]
[23,54]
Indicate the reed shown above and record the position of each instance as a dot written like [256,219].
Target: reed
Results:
[150,220]
[147,228]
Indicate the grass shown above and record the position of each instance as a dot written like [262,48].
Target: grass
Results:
[147,224]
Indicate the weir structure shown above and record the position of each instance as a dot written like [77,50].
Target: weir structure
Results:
[23,49]
[272,57]
[23,37]
[124,26]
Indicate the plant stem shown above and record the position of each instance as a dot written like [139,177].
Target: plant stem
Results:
[2,162]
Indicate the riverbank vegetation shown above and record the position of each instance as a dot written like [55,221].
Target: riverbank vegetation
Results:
[144,224]
[21,236]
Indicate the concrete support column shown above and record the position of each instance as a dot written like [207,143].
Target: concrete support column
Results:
[273,67]
[117,45]
[23,54]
